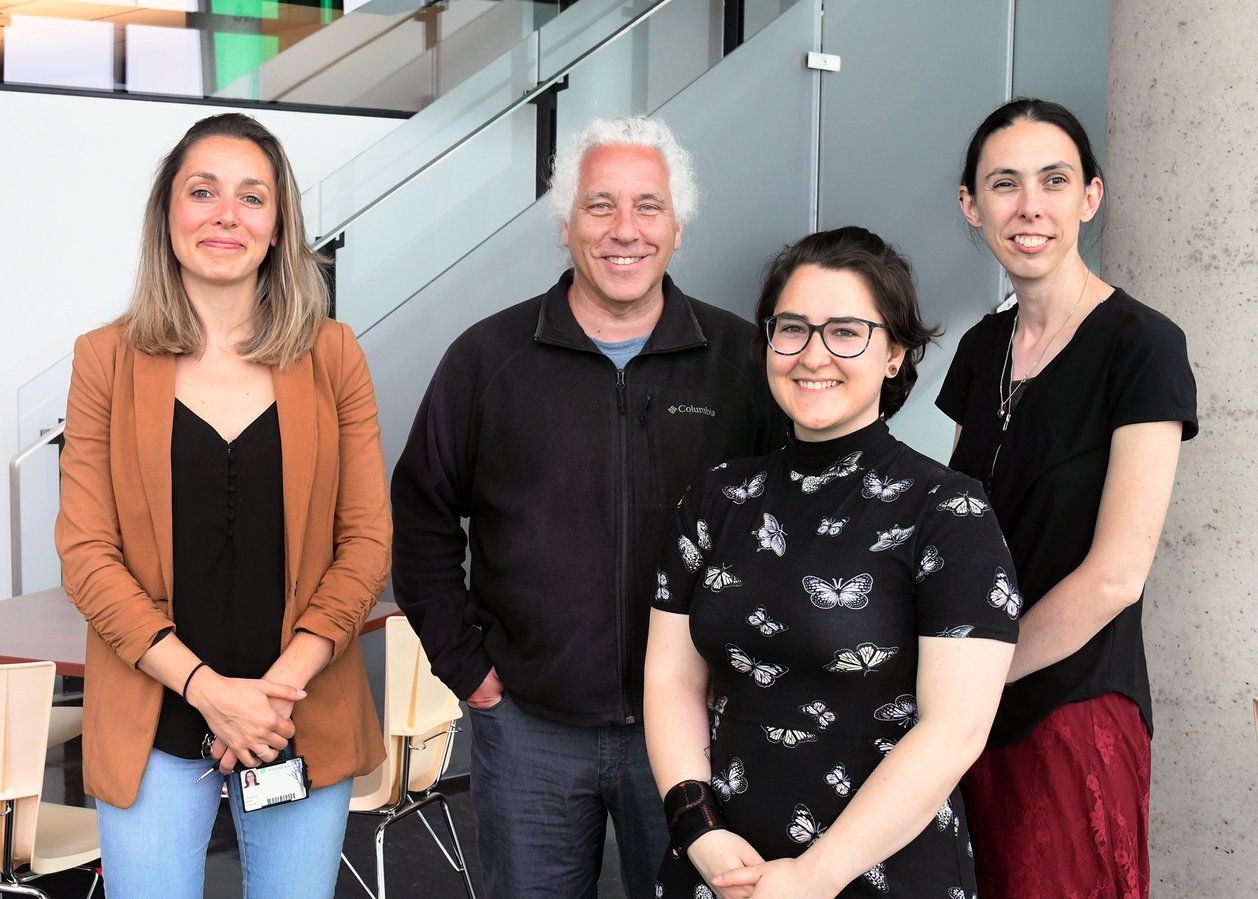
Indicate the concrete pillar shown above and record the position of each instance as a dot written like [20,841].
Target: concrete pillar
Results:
[1182,236]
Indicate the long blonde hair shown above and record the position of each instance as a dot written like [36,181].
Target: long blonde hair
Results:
[291,299]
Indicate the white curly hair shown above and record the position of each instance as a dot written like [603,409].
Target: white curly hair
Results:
[635,131]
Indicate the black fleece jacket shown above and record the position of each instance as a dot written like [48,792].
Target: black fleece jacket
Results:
[566,470]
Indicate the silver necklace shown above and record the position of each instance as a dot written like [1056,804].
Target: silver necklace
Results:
[1007,399]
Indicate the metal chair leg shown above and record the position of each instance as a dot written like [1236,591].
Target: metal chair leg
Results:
[454,856]
[458,848]
[380,831]
[23,889]
[9,882]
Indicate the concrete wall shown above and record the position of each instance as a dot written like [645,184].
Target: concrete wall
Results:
[1183,197]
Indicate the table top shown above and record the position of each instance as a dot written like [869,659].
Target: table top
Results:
[46,625]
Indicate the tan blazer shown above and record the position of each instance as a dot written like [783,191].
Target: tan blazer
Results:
[114,537]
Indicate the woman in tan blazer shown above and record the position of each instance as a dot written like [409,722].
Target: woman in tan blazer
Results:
[224,529]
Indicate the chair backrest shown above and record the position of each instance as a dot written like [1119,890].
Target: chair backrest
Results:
[416,704]
[25,706]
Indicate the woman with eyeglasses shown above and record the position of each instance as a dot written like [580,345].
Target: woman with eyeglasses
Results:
[1070,408]
[224,529]
[847,606]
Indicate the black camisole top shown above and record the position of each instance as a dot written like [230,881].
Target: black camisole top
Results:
[228,519]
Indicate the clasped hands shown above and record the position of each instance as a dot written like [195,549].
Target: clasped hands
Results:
[251,718]
[736,871]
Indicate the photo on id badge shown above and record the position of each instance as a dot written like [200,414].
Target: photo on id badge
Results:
[284,780]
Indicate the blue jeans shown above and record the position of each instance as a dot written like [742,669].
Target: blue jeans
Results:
[542,792]
[156,848]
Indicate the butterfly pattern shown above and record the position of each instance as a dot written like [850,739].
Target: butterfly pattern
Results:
[902,711]
[770,536]
[788,737]
[838,779]
[885,489]
[1004,595]
[720,578]
[804,827]
[963,504]
[820,712]
[851,594]
[690,555]
[832,527]
[732,781]
[848,465]
[806,595]
[763,673]
[891,538]
[877,875]
[883,745]
[750,488]
[930,563]
[718,708]
[703,538]
[662,593]
[864,658]
[760,620]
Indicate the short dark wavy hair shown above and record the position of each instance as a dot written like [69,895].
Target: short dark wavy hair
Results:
[886,272]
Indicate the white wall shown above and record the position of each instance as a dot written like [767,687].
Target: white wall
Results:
[74,175]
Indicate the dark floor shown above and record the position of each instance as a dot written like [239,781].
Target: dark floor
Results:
[415,866]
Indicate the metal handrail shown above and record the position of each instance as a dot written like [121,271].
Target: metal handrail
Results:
[526,98]
[15,501]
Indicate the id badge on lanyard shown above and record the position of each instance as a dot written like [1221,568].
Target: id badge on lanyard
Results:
[283,780]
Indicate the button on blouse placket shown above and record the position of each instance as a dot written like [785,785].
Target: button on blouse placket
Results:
[231,490]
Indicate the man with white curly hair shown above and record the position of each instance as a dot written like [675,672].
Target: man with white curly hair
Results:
[565,429]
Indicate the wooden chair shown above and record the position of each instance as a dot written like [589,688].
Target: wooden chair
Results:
[420,715]
[39,837]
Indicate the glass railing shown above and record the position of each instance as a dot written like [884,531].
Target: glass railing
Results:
[491,92]
[385,56]
[436,187]
[34,483]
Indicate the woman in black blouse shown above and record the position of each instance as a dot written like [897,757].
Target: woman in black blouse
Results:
[850,607]
[1070,408]
[224,529]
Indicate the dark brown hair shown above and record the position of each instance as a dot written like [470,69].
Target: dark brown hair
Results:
[889,277]
[1029,109]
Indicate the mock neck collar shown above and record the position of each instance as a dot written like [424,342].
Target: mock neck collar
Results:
[872,441]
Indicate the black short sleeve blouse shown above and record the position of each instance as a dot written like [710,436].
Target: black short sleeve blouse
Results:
[1126,364]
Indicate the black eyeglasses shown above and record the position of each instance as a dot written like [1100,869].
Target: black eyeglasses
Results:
[846,338]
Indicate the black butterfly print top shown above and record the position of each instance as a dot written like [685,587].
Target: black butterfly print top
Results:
[808,576]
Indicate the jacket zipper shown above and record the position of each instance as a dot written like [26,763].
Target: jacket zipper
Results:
[650,438]
[622,576]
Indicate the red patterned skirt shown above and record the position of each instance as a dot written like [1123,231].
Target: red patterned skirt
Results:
[1064,814]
